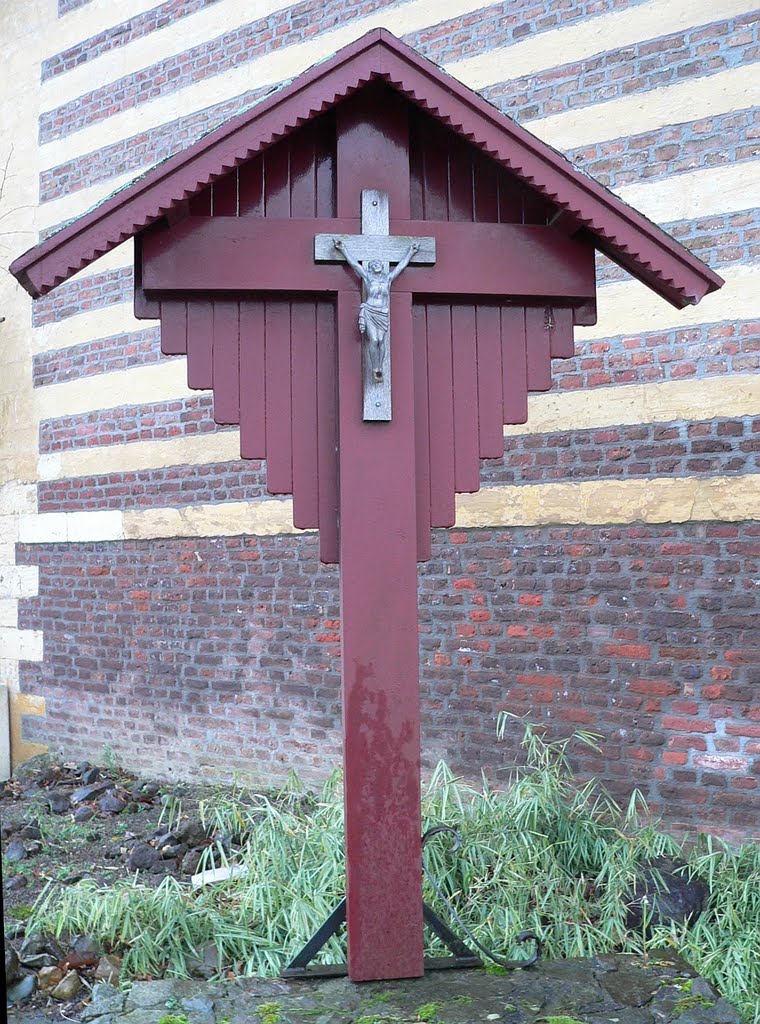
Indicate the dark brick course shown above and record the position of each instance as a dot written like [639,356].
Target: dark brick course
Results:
[117,35]
[203,652]
[650,64]
[103,355]
[182,417]
[675,149]
[709,447]
[106,288]
[156,488]
[64,6]
[704,351]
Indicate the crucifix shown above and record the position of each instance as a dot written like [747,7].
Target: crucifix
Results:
[370,255]
[475,253]
[374,480]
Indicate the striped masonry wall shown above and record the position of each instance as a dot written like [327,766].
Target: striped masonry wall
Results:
[155,599]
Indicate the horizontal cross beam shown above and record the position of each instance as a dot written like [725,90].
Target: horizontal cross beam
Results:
[386,248]
[215,254]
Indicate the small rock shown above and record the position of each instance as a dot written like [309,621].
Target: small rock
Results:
[49,977]
[83,813]
[30,832]
[15,930]
[15,851]
[677,898]
[206,965]
[142,857]
[22,989]
[34,945]
[90,792]
[68,987]
[11,964]
[192,833]
[73,878]
[190,862]
[165,839]
[59,800]
[111,804]
[112,853]
[87,945]
[198,1006]
[174,852]
[90,776]
[39,961]
[17,882]
[108,969]
[105,1000]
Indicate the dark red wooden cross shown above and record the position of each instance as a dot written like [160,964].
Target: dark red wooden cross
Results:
[471,336]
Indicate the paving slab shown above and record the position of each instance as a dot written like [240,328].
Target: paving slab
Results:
[614,989]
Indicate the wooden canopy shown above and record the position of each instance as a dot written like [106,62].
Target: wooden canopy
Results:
[585,206]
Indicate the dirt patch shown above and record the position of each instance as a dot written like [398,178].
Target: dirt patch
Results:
[63,822]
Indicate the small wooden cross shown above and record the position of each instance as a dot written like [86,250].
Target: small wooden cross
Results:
[373,251]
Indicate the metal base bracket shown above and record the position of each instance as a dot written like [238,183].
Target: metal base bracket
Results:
[462,956]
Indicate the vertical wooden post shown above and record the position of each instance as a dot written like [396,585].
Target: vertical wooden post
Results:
[378,572]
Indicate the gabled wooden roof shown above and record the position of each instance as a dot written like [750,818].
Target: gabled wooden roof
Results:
[615,228]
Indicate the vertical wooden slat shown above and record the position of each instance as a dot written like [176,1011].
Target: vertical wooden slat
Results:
[421,430]
[490,399]
[465,380]
[441,415]
[200,204]
[514,364]
[302,174]
[278,399]
[510,198]
[416,168]
[200,328]
[327,433]
[535,207]
[460,182]
[325,171]
[436,157]
[304,419]
[562,343]
[252,380]
[486,190]
[251,187]
[173,327]
[225,195]
[277,181]
[539,356]
[226,358]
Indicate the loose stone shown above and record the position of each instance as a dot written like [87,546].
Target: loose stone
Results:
[49,977]
[68,987]
[59,800]
[142,857]
[15,851]
[91,791]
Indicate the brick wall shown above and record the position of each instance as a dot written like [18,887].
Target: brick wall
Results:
[225,651]
[193,655]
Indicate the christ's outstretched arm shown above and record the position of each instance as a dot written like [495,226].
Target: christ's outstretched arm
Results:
[356,267]
[404,263]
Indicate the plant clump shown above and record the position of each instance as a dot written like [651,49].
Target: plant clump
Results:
[542,853]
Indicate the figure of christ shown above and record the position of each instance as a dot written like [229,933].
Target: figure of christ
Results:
[375,310]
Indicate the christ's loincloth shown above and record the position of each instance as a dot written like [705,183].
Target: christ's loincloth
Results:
[378,318]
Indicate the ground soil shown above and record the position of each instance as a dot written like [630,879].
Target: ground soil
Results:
[60,849]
